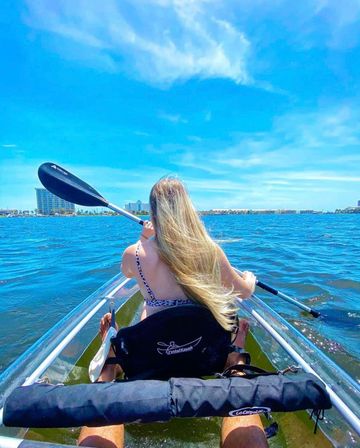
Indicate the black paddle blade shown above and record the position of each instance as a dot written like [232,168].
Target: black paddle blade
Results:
[69,187]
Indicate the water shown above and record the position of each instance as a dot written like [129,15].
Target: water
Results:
[49,265]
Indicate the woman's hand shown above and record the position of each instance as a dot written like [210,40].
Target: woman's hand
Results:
[250,281]
[148,230]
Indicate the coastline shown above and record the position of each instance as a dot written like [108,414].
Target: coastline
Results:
[219,212]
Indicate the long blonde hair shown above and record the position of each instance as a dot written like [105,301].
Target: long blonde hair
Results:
[187,249]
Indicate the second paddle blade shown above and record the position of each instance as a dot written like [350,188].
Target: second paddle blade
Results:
[69,187]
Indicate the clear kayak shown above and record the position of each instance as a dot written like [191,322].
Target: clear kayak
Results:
[63,354]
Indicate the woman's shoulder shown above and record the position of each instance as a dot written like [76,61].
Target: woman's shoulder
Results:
[130,250]
[141,247]
[128,261]
[146,250]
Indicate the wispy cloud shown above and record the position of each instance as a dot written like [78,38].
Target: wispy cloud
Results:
[304,139]
[183,39]
[344,22]
[320,176]
[311,24]
[9,145]
[173,118]
[196,161]
[308,153]
[166,41]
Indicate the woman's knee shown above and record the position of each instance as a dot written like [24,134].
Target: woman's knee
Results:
[243,432]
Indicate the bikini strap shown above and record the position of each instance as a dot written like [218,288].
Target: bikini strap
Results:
[138,264]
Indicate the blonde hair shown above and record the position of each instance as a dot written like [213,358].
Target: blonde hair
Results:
[187,249]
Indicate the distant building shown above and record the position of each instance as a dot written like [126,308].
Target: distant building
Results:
[6,212]
[137,207]
[49,204]
[358,203]
[286,212]
[263,211]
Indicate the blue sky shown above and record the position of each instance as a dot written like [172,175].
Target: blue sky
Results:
[254,104]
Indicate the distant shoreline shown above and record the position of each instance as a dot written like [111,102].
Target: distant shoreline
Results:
[215,212]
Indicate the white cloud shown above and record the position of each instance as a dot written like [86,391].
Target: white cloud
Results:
[10,145]
[162,41]
[316,146]
[322,138]
[165,41]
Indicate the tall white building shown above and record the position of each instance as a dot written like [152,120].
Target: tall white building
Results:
[137,206]
[49,204]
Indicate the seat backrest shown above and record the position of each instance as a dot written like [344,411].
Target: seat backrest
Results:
[183,341]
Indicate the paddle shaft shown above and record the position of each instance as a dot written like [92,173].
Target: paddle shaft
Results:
[287,298]
[280,294]
[123,212]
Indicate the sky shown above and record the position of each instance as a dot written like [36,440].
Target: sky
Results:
[253,104]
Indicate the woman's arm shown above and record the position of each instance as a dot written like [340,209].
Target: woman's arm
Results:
[243,285]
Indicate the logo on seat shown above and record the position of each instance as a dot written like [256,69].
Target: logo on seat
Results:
[174,349]
[250,411]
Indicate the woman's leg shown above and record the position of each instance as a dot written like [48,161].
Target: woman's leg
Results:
[233,357]
[243,432]
[104,436]
[242,333]
[246,431]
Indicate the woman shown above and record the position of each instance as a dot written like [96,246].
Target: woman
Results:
[181,263]
[175,262]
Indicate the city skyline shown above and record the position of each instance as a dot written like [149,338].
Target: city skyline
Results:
[251,106]
[140,205]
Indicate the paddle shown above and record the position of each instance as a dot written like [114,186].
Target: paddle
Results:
[69,187]
[289,299]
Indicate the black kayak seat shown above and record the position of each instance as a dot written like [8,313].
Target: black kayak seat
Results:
[182,341]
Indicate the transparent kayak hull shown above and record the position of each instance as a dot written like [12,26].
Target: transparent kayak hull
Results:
[286,346]
[55,357]
[55,354]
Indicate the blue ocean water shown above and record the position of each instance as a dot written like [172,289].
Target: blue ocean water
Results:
[49,265]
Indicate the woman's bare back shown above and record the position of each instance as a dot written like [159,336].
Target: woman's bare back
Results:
[156,273]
